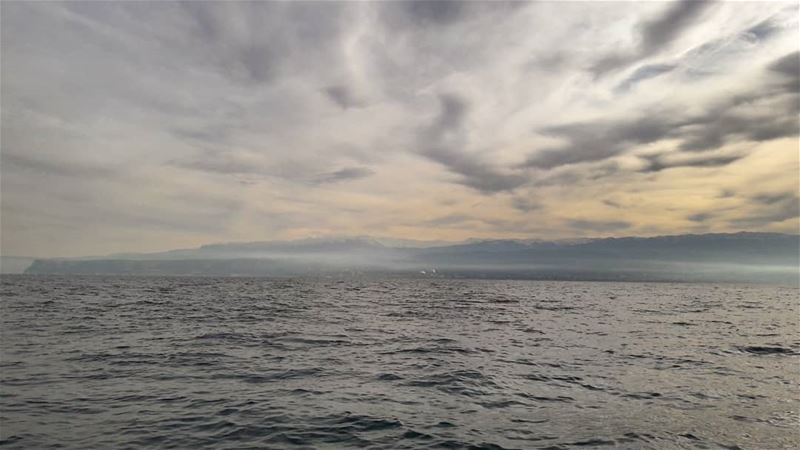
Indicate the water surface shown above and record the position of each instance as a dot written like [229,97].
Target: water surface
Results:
[104,362]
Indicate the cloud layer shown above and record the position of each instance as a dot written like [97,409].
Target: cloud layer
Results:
[144,126]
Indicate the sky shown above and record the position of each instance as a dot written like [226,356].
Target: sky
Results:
[146,126]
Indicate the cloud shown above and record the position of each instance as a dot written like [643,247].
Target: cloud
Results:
[444,141]
[525,204]
[764,113]
[346,174]
[454,111]
[434,12]
[663,30]
[721,54]
[254,43]
[657,163]
[342,96]
[763,30]
[700,217]
[255,120]
[226,163]
[61,168]
[788,67]
[600,226]
[771,208]
[783,198]
[449,220]
[245,166]
[655,35]
[644,73]
[437,14]
[474,173]
[595,141]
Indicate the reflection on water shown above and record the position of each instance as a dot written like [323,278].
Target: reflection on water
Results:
[254,363]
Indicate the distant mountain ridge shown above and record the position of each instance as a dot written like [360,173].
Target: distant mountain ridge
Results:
[754,256]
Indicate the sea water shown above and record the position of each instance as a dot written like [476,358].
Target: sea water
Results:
[157,362]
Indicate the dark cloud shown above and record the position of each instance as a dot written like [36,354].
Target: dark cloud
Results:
[612,203]
[525,204]
[453,112]
[761,117]
[731,45]
[644,73]
[767,112]
[715,56]
[71,168]
[576,175]
[451,219]
[788,67]
[770,208]
[700,217]
[214,134]
[658,33]
[225,163]
[782,198]
[444,141]
[657,163]
[553,62]
[434,11]
[346,174]
[342,96]
[216,27]
[611,62]
[473,172]
[256,42]
[601,226]
[763,30]
[437,14]
[235,164]
[655,35]
[587,141]
[764,113]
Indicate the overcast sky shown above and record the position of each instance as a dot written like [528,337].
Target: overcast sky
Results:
[144,126]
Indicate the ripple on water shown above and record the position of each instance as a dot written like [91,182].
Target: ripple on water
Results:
[153,362]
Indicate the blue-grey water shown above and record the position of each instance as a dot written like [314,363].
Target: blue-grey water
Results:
[138,362]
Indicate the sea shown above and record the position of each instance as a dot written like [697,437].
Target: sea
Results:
[396,363]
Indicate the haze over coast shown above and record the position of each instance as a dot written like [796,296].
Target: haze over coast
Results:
[759,257]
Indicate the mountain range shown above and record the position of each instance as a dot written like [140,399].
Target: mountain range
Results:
[752,257]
